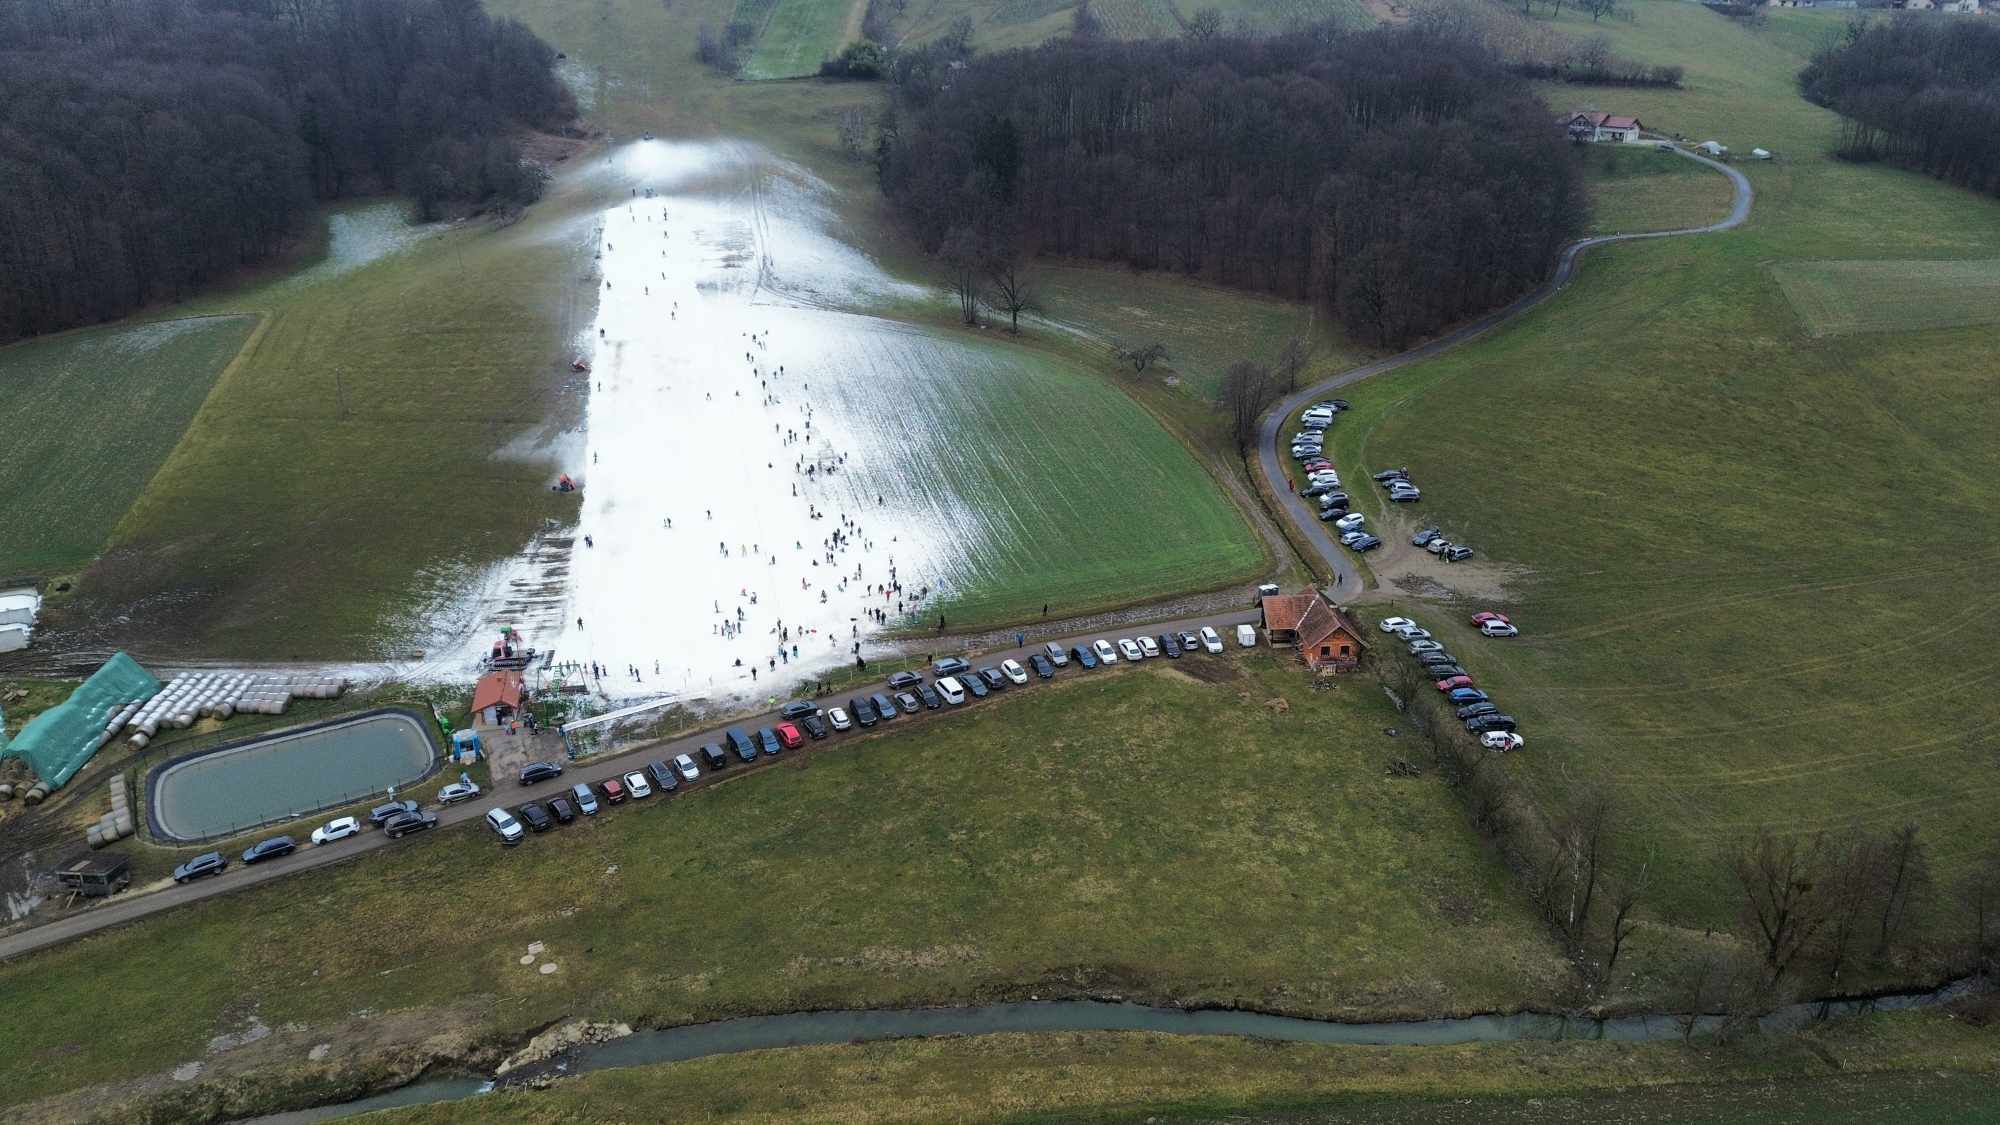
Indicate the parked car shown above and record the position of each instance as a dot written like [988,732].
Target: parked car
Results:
[534,773]
[994,678]
[1055,654]
[1434,659]
[799,709]
[1170,646]
[397,827]
[1391,624]
[536,818]
[711,756]
[1351,522]
[767,740]
[380,813]
[1350,538]
[1465,695]
[1438,546]
[904,680]
[1328,515]
[1129,650]
[662,777]
[1366,543]
[1425,646]
[1085,656]
[505,826]
[814,726]
[1414,632]
[1387,475]
[1105,653]
[339,828]
[562,810]
[1423,536]
[932,701]
[789,736]
[1211,641]
[272,848]
[1315,466]
[614,791]
[862,711]
[1246,636]
[840,719]
[458,791]
[949,666]
[1501,740]
[1319,487]
[586,801]
[1498,629]
[1190,641]
[885,708]
[952,691]
[1405,496]
[687,769]
[740,744]
[975,685]
[1337,502]
[201,866]
[1484,616]
[1148,645]
[1042,667]
[1445,671]
[1452,683]
[1013,671]
[1457,554]
[909,704]
[637,785]
[1484,723]
[1475,710]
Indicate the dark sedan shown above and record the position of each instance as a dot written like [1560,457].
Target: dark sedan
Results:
[208,863]
[814,728]
[976,684]
[885,708]
[768,739]
[994,678]
[536,772]
[562,810]
[1170,646]
[799,709]
[269,849]
[930,697]
[1474,710]
[740,742]
[1082,655]
[863,711]
[536,819]
[1042,666]
[902,680]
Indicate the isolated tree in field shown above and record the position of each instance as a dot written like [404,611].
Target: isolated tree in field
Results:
[1906,877]
[1013,287]
[1203,26]
[1246,391]
[1084,26]
[1784,901]
[1292,359]
[1598,9]
[963,257]
[1624,905]
[1143,356]
[1581,844]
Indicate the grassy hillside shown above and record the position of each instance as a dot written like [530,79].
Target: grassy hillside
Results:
[1749,559]
[1210,830]
[91,414]
[1638,187]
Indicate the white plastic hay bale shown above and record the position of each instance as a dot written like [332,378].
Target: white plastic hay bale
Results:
[224,710]
[6,790]
[94,838]
[124,825]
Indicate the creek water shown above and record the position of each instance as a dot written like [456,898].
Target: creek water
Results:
[798,1029]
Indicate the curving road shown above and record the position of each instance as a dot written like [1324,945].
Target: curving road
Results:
[1337,560]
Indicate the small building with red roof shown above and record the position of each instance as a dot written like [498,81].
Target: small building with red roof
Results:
[1325,637]
[496,697]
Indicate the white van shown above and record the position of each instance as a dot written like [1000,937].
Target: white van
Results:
[1246,635]
[951,689]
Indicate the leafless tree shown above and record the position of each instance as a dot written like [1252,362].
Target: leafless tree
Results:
[1906,876]
[1598,9]
[963,257]
[1084,24]
[1143,356]
[1013,287]
[1978,895]
[1623,922]
[1203,26]
[1292,359]
[1246,391]
[1783,900]
[1580,848]
[854,132]
[1701,988]
[1849,886]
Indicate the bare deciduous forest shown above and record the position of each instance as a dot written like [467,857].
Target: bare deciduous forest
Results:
[1924,94]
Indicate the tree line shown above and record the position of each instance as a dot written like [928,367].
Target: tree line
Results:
[1400,179]
[1919,93]
[149,147]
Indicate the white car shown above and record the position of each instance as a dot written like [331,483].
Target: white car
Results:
[1210,639]
[339,829]
[1012,670]
[839,719]
[951,689]
[1501,740]
[636,785]
[1349,539]
[1105,653]
[1352,521]
[458,791]
[1391,624]
[1149,646]
[688,772]
[1498,629]
[1425,646]
[1129,650]
[1414,633]
[1246,636]
[505,826]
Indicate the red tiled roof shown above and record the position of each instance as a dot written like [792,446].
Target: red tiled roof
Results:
[1284,612]
[497,687]
[1619,123]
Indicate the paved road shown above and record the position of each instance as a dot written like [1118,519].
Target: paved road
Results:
[132,907]
[1337,560]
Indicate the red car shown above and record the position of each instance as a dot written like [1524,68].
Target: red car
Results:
[614,791]
[1454,683]
[1316,466]
[789,735]
[1483,618]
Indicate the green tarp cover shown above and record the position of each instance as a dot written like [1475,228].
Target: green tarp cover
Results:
[57,742]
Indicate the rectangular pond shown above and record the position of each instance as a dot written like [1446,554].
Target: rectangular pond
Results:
[289,774]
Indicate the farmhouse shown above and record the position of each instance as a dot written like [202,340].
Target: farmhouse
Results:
[1590,125]
[496,697]
[1324,636]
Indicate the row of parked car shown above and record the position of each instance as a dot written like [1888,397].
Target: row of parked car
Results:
[1432,540]
[1322,480]
[396,820]
[1481,716]
[954,681]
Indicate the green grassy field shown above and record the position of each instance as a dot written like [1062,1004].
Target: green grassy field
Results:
[1635,188]
[106,404]
[1229,838]
[1836,298]
[1921,1070]
[797,36]
[1749,562]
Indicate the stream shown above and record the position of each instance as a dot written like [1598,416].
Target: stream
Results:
[798,1029]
